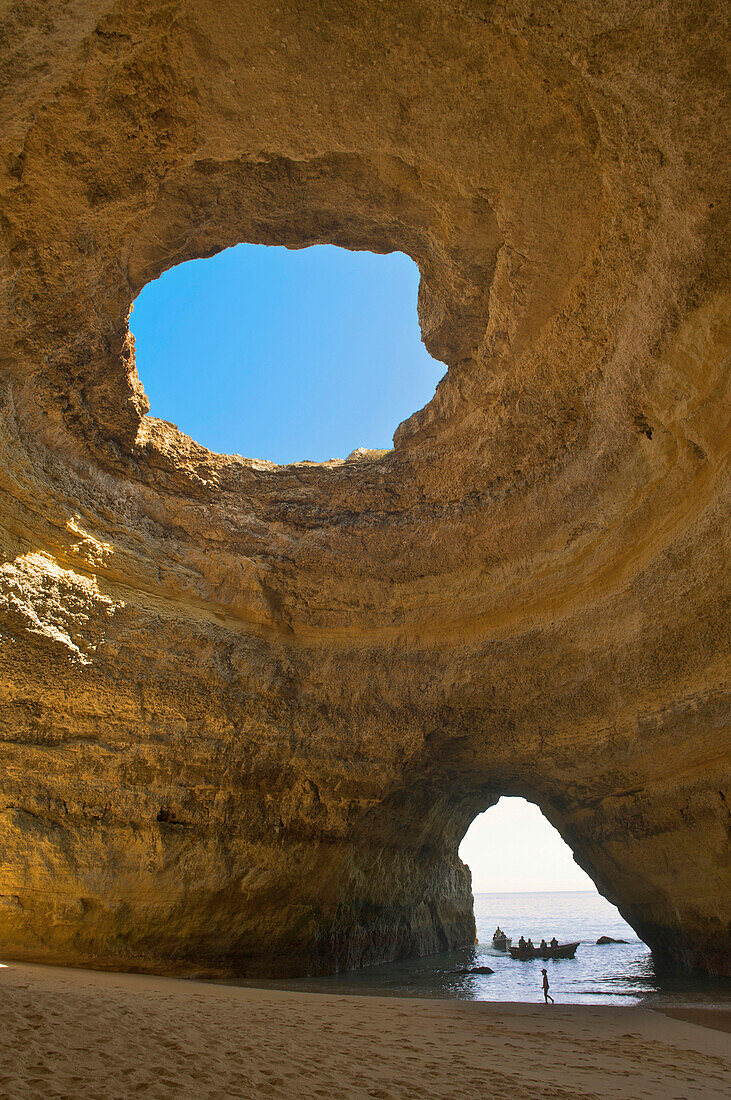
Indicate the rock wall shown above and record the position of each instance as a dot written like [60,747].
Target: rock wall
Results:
[248,711]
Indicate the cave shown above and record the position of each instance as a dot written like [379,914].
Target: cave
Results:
[248,711]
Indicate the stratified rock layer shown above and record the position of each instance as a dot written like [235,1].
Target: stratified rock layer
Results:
[248,711]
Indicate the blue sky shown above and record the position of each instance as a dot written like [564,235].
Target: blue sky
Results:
[286,355]
[290,355]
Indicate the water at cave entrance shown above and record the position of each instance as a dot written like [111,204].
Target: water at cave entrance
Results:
[512,843]
[619,974]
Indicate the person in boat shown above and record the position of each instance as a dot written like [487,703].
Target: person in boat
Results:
[546,995]
[530,944]
[498,935]
[521,943]
[544,946]
[554,942]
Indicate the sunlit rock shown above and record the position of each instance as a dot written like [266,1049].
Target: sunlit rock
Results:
[248,711]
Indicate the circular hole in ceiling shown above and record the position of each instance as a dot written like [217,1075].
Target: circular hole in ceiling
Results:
[288,355]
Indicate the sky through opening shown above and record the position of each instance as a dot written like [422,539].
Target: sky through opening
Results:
[286,355]
[512,847]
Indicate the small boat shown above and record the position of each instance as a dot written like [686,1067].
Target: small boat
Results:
[563,951]
[501,943]
[525,952]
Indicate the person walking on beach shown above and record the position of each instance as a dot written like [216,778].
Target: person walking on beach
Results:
[546,995]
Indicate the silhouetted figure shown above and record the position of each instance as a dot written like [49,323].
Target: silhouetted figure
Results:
[530,944]
[546,995]
[521,942]
[554,942]
[544,946]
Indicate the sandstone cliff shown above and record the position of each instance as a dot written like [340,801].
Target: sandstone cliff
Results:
[248,711]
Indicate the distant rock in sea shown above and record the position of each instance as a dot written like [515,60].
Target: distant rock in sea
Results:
[473,970]
[609,939]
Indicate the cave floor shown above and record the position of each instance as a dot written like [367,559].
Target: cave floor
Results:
[77,1033]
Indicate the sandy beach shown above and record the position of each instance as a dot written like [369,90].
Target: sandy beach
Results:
[77,1033]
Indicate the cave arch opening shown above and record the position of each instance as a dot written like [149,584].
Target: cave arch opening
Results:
[285,354]
[525,880]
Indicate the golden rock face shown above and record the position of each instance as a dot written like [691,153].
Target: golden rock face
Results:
[248,711]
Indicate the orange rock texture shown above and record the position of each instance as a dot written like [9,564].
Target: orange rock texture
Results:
[248,711]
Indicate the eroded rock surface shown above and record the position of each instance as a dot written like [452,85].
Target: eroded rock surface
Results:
[248,711]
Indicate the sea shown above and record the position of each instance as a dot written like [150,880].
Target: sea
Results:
[617,973]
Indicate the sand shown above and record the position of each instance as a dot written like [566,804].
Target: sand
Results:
[719,1018]
[76,1034]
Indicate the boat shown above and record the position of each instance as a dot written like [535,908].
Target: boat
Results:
[502,942]
[563,951]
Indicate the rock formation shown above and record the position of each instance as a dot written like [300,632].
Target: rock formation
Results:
[248,711]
